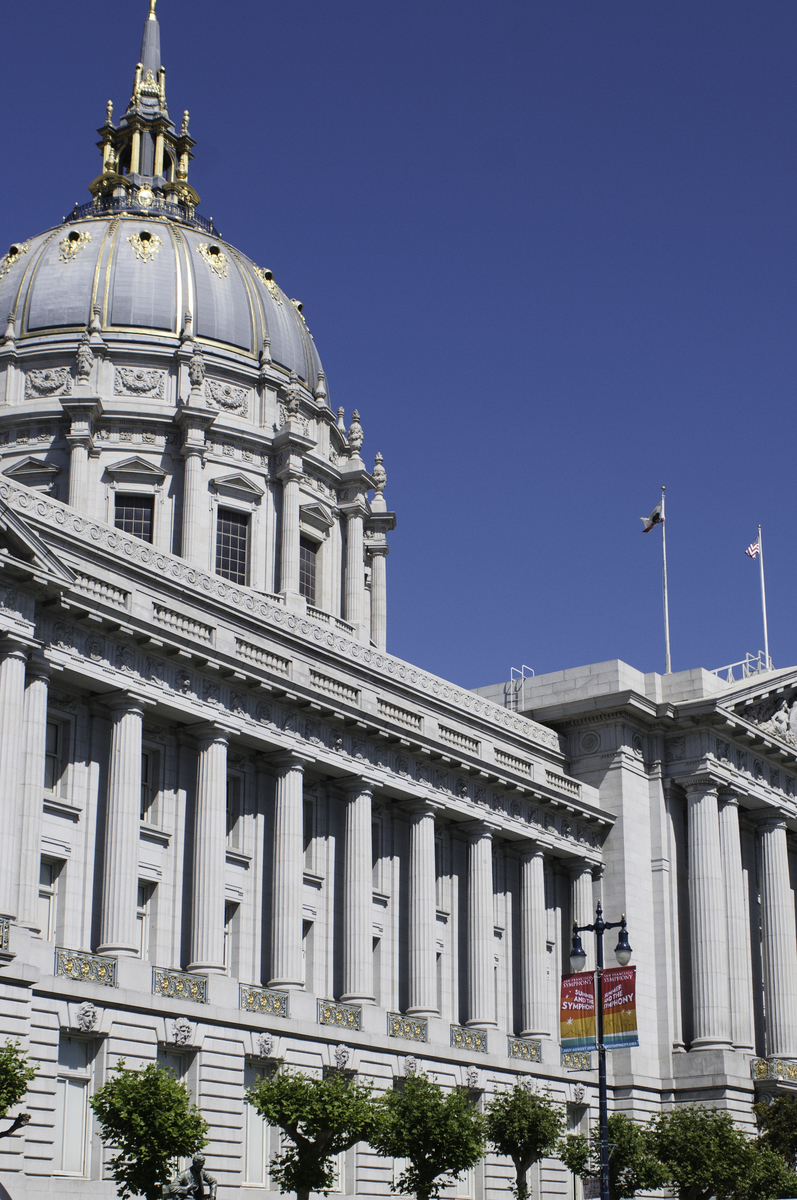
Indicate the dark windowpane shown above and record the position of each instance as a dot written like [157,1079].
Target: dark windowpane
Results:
[232,532]
[134,515]
[307,556]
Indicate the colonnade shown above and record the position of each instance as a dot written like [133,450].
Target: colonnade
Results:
[722,986]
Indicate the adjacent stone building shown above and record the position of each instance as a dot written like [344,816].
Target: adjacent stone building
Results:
[236,830]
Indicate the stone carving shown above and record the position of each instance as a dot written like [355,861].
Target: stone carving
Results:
[268,280]
[234,399]
[95,648]
[193,1182]
[85,358]
[57,381]
[72,244]
[636,744]
[145,244]
[131,381]
[211,691]
[215,258]
[724,751]
[579,1093]
[126,659]
[777,717]
[338,744]
[527,1083]
[462,789]
[516,810]
[238,704]
[741,760]
[590,742]
[14,256]
[472,1077]
[196,369]
[87,1016]
[355,435]
[676,749]
[263,712]
[183,682]
[342,1055]
[774,777]
[182,1031]
[410,1065]
[379,475]
[265,1044]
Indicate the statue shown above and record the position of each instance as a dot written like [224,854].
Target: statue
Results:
[355,435]
[196,369]
[194,1182]
[85,358]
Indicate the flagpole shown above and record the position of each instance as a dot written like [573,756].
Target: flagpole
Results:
[667,658]
[763,599]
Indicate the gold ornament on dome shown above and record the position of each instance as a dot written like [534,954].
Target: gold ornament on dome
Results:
[268,280]
[146,197]
[14,255]
[72,244]
[146,245]
[216,260]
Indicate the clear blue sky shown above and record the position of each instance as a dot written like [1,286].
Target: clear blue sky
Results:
[546,248]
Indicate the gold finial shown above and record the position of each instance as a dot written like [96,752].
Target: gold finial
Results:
[185,122]
[152,16]
[109,112]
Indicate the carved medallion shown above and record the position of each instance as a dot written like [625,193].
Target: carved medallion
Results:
[145,244]
[234,399]
[215,258]
[55,382]
[131,381]
[72,244]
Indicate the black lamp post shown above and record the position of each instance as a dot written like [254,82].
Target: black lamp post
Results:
[578,960]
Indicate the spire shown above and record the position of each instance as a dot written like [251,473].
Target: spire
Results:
[151,43]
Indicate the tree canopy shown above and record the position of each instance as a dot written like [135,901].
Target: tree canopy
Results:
[148,1117]
[633,1165]
[322,1117]
[524,1126]
[16,1072]
[777,1126]
[439,1132]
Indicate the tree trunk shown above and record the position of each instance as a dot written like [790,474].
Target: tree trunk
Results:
[301,1194]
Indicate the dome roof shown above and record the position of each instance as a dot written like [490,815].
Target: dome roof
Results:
[145,273]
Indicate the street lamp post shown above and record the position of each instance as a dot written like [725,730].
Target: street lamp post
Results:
[578,960]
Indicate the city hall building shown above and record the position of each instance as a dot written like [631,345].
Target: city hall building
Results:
[236,831]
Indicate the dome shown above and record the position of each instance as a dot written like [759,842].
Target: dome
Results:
[145,272]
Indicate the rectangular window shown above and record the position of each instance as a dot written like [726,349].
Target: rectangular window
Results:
[256,1136]
[308,929]
[232,540]
[308,552]
[376,855]
[133,514]
[234,811]
[146,784]
[70,1151]
[143,918]
[309,834]
[48,898]
[52,755]
[230,920]
[339,1167]
[377,971]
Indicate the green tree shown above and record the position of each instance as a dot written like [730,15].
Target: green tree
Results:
[322,1117]
[16,1073]
[705,1154]
[633,1165]
[524,1126]
[777,1126]
[441,1133]
[148,1117]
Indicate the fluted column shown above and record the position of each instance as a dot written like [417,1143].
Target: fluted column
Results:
[289,560]
[35,725]
[582,906]
[195,546]
[379,597]
[481,927]
[12,698]
[778,939]
[741,985]
[355,569]
[210,853]
[533,952]
[287,875]
[78,474]
[83,411]
[708,922]
[122,819]
[358,921]
[422,913]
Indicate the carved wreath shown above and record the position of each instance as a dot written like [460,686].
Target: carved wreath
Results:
[57,381]
[130,380]
[234,399]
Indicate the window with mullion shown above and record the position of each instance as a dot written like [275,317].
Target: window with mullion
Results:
[232,545]
[133,514]
[308,552]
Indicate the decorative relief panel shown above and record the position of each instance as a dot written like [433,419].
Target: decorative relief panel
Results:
[775,716]
[72,244]
[14,256]
[90,968]
[524,1048]
[215,258]
[414,1029]
[464,1038]
[268,280]
[590,742]
[177,985]
[5,925]
[263,1000]
[134,381]
[773,1068]
[146,245]
[41,385]
[224,395]
[347,1016]
[577,1060]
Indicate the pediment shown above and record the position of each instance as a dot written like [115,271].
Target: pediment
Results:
[317,517]
[28,467]
[138,467]
[770,704]
[237,483]
[19,542]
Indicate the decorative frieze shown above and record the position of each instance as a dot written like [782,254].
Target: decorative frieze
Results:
[263,1000]
[345,1016]
[134,381]
[773,1068]
[89,968]
[42,385]
[262,658]
[461,741]
[562,784]
[341,690]
[224,395]
[577,1060]
[5,926]
[414,1029]
[179,623]
[463,1038]
[400,715]
[524,1048]
[176,985]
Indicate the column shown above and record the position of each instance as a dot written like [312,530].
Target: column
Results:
[118,932]
[210,853]
[82,412]
[582,907]
[740,965]
[481,927]
[35,725]
[533,949]
[778,939]
[78,475]
[194,541]
[12,698]
[355,568]
[707,918]
[289,558]
[422,913]
[358,921]
[287,875]
[379,597]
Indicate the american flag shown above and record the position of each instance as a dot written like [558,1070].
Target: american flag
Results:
[752,550]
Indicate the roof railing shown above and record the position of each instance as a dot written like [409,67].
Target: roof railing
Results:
[104,205]
[751,664]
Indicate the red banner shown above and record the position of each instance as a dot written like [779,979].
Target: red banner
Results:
[619,1007]
[577,1012]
